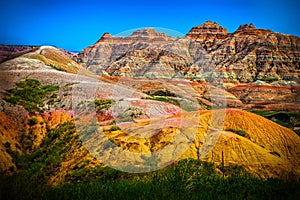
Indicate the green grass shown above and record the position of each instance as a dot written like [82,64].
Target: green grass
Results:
[188,179]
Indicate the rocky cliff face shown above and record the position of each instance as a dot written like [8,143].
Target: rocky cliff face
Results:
[109,49]
[208,33]
[247,55]
[146,53]
[250,54]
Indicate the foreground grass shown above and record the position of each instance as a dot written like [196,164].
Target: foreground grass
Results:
[188,179]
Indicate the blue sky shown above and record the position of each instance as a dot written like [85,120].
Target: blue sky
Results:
[74,25]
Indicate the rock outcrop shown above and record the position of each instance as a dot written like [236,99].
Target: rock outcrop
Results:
[246,29]
[208,33]
[108,49]
[250,54]
[246,55]
[8,52]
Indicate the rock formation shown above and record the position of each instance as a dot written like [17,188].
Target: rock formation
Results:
[208,33]
[250,54]
[246,55]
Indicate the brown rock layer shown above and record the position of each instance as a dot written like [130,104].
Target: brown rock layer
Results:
[207,34]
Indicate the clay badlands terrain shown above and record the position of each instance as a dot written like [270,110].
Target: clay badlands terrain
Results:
[223,106]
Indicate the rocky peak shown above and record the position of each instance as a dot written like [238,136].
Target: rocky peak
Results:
[145,32]
[148,33]
[104,37]
[208,33]
[208,28]
[250,29]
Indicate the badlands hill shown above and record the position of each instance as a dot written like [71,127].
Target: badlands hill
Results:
[259,68]
[53,103]
[246,55]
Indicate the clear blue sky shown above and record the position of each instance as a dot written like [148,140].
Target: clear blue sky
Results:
[74,25]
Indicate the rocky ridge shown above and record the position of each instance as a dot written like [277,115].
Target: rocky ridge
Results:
[250,54]
[246,55]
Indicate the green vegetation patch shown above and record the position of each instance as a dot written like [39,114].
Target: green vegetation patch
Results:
[284,118]
[57,68]
[103,104]
[30,94]
[269,79]
[238,132]
[187,179]
[115,128]
[32,121]
[161,93]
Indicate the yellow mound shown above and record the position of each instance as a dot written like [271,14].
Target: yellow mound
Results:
[9,140]
[267,149]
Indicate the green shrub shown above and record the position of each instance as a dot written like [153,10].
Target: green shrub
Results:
[112,122]
[57,68]
[269,79]
[115,128]
[30,94]
[101,104]
[163,93]
[275,153]
[32,121]
[239,132]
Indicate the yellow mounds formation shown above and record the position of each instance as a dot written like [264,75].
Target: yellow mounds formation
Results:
[258,144]
[8,140]
[261,146]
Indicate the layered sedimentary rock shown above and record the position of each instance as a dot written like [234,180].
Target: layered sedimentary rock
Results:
[250,54]
[8,52]
[246,55]
[108,49]
[208,33]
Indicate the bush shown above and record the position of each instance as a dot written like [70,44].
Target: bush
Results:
[103,104]
[57,68]
[32,121]
[163,93]
[30,94]
[275,153]
[7,145]
[239,132]
[115,128]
